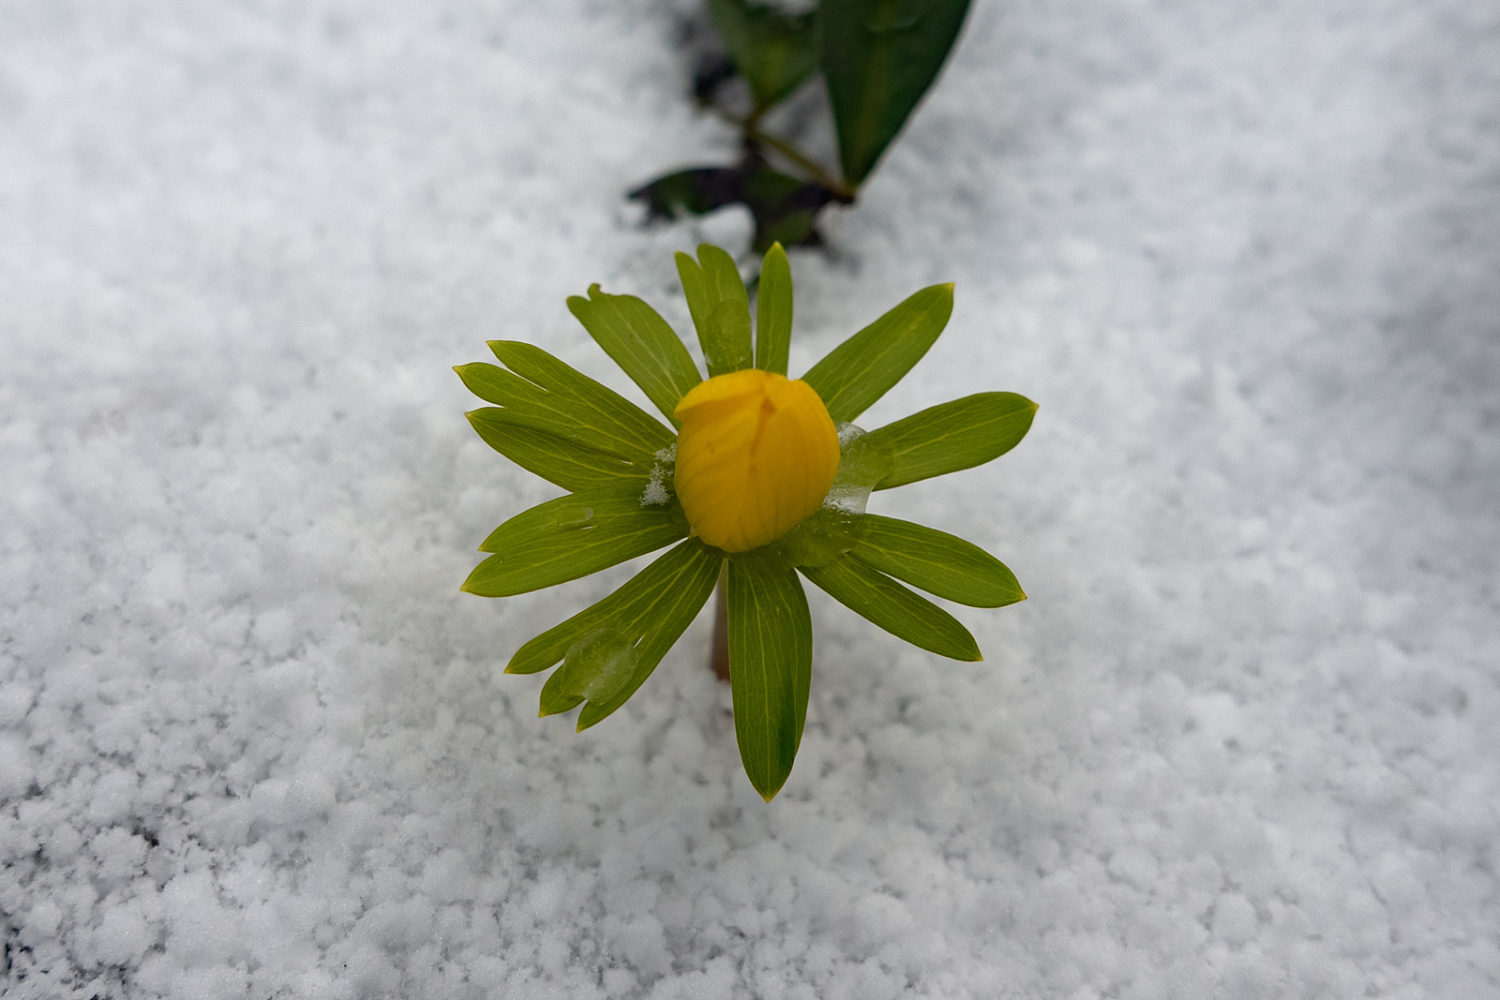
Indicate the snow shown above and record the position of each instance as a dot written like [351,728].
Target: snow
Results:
[656,493]
[1240,742]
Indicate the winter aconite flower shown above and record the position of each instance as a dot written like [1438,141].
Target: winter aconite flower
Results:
[755,456]
[754,476]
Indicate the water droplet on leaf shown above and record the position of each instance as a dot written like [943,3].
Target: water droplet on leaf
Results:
[861,467]
[598,666]
[726,352]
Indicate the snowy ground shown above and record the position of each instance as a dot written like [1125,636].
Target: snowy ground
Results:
[1242,741]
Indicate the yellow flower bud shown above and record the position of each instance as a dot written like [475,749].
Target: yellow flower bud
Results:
[756,454]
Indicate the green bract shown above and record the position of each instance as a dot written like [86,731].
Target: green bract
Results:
[616,462]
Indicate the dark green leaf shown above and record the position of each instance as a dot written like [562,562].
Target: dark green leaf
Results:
[773,50]
[784,208]
[641,343]
[879,57]
[900,612]
[696,191]
[935,561]
[720,307]
[554,397]
[650,611]
[557,459]
[770,666]
[863,368]
[570,537]
[773,312]
[951,436]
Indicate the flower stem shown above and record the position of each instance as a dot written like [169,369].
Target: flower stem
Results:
[719,657]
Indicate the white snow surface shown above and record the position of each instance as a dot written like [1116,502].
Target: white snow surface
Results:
[1241,742]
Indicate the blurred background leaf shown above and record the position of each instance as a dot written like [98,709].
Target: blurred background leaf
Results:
[880,56]
[877,57]
[784,208]
[773,50]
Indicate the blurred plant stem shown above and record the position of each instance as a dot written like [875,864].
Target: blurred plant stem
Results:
[757,136]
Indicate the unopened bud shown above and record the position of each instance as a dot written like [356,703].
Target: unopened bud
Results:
[756,455]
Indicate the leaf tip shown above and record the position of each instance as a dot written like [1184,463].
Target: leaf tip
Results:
[516,667]
[769,791]
[557,707]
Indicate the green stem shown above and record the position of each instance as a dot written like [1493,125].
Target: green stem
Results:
[750,125]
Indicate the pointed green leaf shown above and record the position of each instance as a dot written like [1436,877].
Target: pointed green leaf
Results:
[720,307]
[773,312]
[570,537]
[660,626]
[557,459]
[651,611]
[494,384]
[597,666]
[558,698]
[731,323]
[935,561]
[641,343]
[773,50]
[770,666]
[885,602]
[863,368]
[951,436]
[879,57]
[554,397]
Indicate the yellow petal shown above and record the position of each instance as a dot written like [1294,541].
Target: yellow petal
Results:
[756,454]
